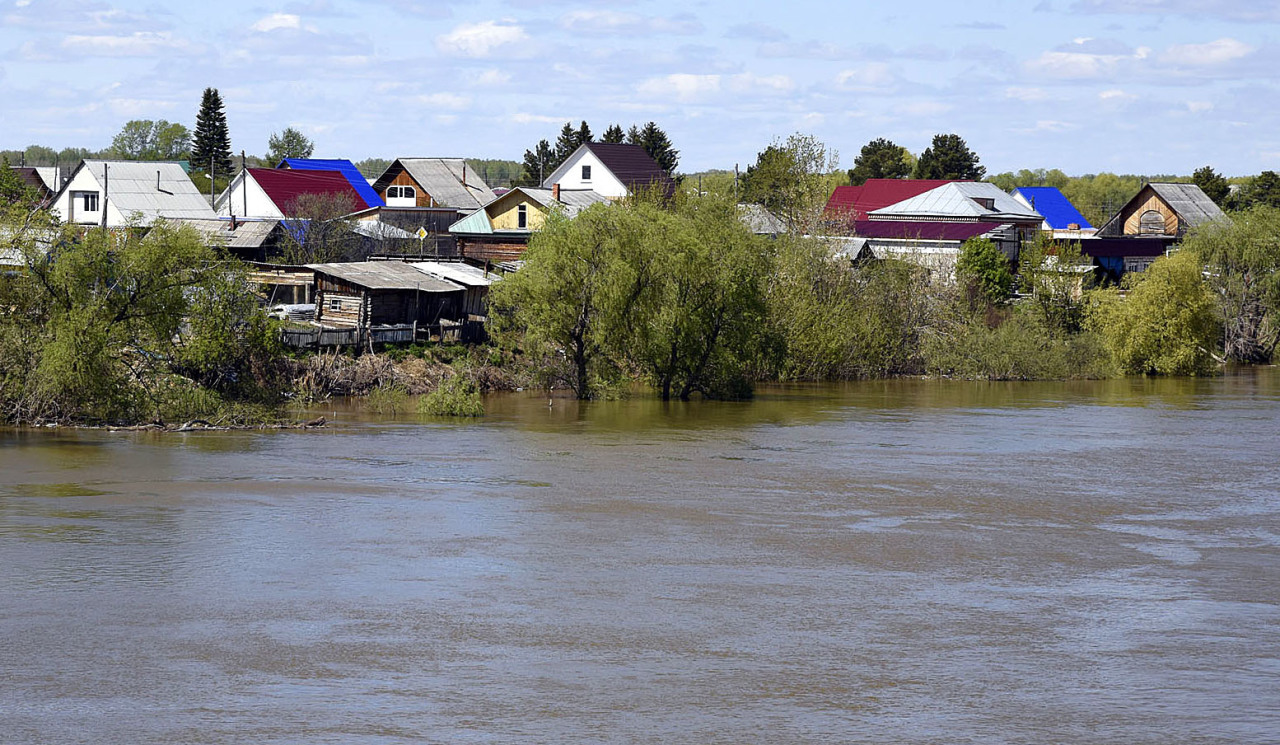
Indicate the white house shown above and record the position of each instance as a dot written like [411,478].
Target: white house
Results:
[116,193]
[274,193]
[613,171]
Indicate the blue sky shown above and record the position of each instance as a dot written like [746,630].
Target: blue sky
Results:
[1145,86]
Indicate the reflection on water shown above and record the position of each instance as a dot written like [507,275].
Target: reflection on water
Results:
[904,561]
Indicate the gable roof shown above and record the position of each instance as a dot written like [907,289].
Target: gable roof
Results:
[284,186]
[443,179]
[572,201]
[957,200]
[386,275]
[630,164]
[32,178]
[247,234]
[854,202]
[1049,201]
[1188,201]
[151,188]
[924,230]
[341,165]
[458,272]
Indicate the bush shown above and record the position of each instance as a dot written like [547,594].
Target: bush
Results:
[1018,348]
[456,396]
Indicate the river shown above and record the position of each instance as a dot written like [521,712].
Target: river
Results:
[903,561]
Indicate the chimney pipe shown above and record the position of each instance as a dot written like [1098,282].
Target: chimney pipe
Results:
[464,174]
[555,192]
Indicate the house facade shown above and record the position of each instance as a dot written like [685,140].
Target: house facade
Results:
[432,183]
[119,193]
[272,193]
[612,171]
[1162,210]
[500,231]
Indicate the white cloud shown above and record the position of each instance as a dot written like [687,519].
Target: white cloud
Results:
[1205,55]
[1026,94]
[491,77]
[761,85]
[450,101]
[526,118]
[1115,94]
[481,39]
[277,21]
[1199,107]
[871,76]
[1087,58]
[682,87]
[613,22]
[140,44]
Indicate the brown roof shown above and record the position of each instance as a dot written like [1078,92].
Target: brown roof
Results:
[31,178]
[631,165]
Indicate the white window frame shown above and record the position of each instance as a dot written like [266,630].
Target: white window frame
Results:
[522,217]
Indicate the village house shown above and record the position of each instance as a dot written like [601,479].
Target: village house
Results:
[612,171]
[1148,225]
[500,230]
[341,165]
[1061,218]
[432,182]
[385,300]
[850,204]
[120,193]
[271,193]
[244,238]
[964,201]
[476,281]
[932,245]
[42,180]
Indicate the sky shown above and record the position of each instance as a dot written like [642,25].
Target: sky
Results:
[1130,86]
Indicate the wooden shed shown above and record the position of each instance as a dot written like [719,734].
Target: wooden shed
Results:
[366,295]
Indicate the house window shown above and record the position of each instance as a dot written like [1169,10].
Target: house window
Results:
[1137,263]
[1151,223]
[522,216]
[89,201]
[335,304]
[402,196]
[586,173]
[986,203]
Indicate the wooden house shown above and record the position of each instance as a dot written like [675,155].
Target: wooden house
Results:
[849,204]
[476,280]
[500,230]
[1162,210]
[371,294]
[432,182]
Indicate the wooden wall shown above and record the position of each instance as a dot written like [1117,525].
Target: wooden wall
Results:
[404,179]
[1133,215]
[496,250]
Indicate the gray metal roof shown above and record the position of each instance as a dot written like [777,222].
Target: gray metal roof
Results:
[456,271]
[760,220]
[956,199]
[152,188]
[248,233]
[386,275]
[381,230]
[572,201]
[442,179]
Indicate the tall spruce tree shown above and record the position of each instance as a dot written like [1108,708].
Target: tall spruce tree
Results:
[614,135]
[538,164]
[566,143]
[656,143]
[584,134]
[212,142]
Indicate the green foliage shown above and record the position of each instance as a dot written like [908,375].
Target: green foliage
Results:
[1212,184]
[372,167]
[497,172]
[1055,277]
[538,164]
[143,139]
[880,158]
[288,144]
[570,139]
[655,142]
[457,396]
[614,135]
[949,157]
[984,271]
[212,140]
[789,179]
[1263,190]
[388,398]
[1019,346]
[1242,261]
[1165,325]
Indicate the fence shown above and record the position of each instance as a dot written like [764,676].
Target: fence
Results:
[354,337]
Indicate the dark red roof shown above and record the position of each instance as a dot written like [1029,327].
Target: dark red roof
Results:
[925,231]
[631,165]
[32,179]
[1113,247]
[284,187]
[854,202]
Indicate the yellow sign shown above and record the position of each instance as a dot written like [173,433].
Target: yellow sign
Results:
[422,233]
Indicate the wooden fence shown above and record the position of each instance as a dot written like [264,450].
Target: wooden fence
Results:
[451,331]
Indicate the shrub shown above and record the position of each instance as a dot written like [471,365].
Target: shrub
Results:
[456,396]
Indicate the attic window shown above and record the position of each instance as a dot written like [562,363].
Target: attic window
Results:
[90,201]
[522,216]
[401,192]
[1151,223]
[586,173]
[986,203]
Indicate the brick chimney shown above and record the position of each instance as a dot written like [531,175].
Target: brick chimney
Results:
[555,192]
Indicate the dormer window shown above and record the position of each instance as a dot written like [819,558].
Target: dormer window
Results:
[986,203]
[586,173]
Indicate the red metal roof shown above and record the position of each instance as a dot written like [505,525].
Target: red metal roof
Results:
[284,187]
[854,202]
[921,230]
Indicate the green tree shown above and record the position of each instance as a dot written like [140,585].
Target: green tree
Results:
[655,142]
[1263,189]
[614,135]
[984,270]
[1166,325]
[288,144]
[212,141]
[1241,257]
[788,179]
[538,164]
[143,139]
[1055,275]
[880,158]
[566,143]
[584,134]
[1212,184]
[369,167]
[949,158]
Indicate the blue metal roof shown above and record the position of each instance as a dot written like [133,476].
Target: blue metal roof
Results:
[341,165]
[1058,211]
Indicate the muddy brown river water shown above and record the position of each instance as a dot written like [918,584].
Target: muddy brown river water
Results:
[906,561]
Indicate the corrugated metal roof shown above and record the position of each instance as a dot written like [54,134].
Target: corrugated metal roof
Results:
[957,199]
[248,233]
[456,271]
[760,220]
[572,201]
[386,275]
[1058,211]
[341,165]
[476,223]
[924,230]
[284,187]
[381,230]
[854,202]
[442,179]
[151,188]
